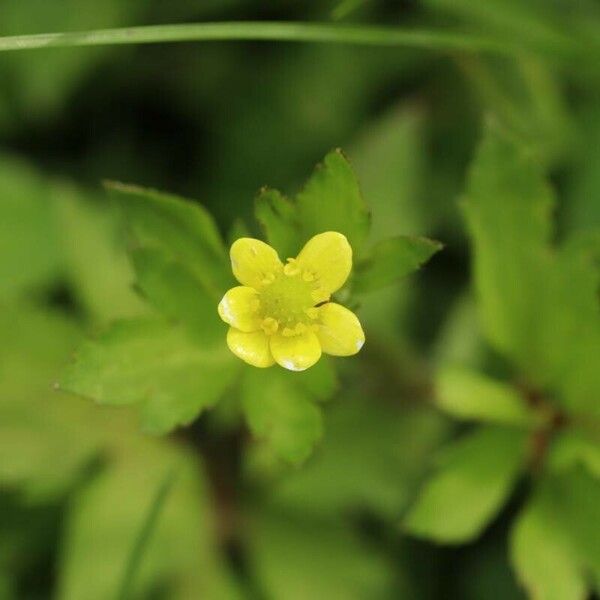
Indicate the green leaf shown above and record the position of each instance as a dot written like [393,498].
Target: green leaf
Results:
[280,411]
[474,479]
[372,458]
[238,230]
[331,201]
[45,437]
[470,395]
[297,558]
[542,553]
[321,380]
[572,332]
[175,292]
[30,253]
[153,364]
[391,260]
[88,233]
[181,559]
[278,218]
[573,447]
[508,207]
[579,494]
[177,226]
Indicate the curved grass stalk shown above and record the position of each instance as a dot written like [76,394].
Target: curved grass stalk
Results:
[266,31]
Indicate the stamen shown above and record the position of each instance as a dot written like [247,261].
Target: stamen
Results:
[300,329]
[268,278]
[287,332]
[291,268]
[269,325]
[312,312]
[319,295]
[308,276]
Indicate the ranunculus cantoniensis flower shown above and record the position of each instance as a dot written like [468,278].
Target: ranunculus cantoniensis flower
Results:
[282,313]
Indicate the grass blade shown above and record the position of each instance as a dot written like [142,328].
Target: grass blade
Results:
[141,542]
[270,30]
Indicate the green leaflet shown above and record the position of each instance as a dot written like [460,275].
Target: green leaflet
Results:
[555,546]
[475,477]
[573,331]
[277,216]
[279,410]
[171,288]
[507,208]
[330,201]
[539,306]
[89,236]
[392,259]
[371,458]
[155,365]
[574,447]
[179,227]
[467,394]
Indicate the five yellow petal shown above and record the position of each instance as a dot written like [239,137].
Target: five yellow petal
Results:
[297,352]
[239,308]
[329,257]
[340,332]
[324,264]
[253,262]
[252,348]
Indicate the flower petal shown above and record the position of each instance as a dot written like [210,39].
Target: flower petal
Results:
[252,348]
[253,261]
[296,352]
[340,332]
[239,308]
[329,257]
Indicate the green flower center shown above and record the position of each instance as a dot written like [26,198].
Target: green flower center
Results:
[288,299]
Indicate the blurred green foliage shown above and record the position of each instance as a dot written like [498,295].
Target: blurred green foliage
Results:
[458,456]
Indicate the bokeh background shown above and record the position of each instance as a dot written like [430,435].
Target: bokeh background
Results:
[215,122]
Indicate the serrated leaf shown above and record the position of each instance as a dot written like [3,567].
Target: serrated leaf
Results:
[88,233]
[466,394]
[278,218]
[177,294]
[178,226]
[155,365]
[474,479]
[508,207]
[542,553]
[279,410]
[392,259]
[331,201]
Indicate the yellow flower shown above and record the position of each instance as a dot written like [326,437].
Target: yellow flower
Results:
[282,313]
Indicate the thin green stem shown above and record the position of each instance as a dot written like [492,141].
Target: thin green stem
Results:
[268,30]
[141,542]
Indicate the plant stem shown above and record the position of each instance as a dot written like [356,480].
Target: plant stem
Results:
[269,30]
[141,542]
